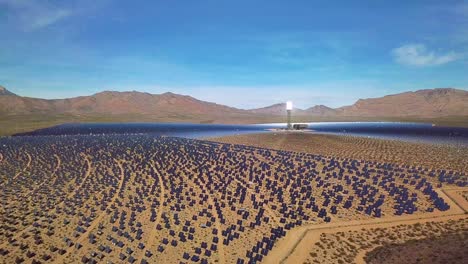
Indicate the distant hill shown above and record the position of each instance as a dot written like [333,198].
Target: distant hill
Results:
[4,91]
[428,103]
[115,103]
[423,103]
[275,110]
[321,110]
[169,107]
[279,110]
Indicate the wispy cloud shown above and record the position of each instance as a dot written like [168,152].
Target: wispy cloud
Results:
[31,15]
[50,18]
[419,55]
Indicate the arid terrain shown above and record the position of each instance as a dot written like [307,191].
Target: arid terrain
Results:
[141,199]
[449,248]
[403,239]
[441,106]
[432,156]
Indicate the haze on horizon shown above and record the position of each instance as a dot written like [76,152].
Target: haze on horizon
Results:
[234,52]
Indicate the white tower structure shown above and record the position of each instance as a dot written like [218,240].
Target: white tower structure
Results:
[289,108]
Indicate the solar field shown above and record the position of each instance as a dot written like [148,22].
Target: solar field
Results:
[145,199]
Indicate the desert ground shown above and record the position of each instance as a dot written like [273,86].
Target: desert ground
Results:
[145,199]
[429,156]
[428,238]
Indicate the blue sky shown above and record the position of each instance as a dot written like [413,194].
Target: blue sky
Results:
[240,53]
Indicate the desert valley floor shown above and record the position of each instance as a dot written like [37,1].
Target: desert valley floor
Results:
[244,199]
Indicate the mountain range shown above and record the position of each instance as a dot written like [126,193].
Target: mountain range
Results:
[170,107]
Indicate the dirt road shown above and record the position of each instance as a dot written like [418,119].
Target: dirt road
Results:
[294,248]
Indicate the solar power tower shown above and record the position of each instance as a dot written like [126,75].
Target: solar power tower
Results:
[289,107]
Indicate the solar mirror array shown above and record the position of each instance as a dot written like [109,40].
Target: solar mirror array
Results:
[146,199]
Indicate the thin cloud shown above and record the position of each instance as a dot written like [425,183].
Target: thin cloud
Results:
[419,55]
[49,19]
[32,15]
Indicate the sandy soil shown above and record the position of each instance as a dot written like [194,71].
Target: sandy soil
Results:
[26,167]
[447,248]
[151,239]
[440,157]
[121,198]
[302,244]
[298,244]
